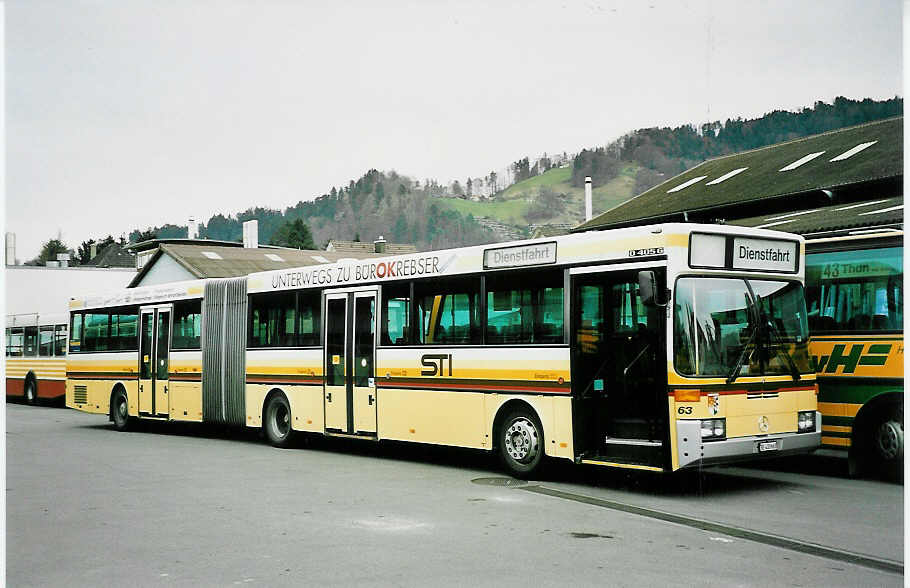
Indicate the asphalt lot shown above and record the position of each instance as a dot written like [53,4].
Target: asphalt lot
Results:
[180,505]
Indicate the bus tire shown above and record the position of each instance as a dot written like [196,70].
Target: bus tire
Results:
[520,443]
[887,443]
[31,391]
[277,421]
[120,413]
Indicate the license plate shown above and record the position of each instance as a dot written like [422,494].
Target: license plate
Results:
[768,445]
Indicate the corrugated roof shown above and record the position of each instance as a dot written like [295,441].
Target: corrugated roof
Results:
[363,248]
[875,213]
[212,261]
[769,173]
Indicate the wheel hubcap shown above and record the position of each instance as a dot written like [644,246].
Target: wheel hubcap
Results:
[889,440]
[121,409]
[282,420]
[522,441]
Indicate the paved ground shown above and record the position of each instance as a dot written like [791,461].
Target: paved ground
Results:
[184,505]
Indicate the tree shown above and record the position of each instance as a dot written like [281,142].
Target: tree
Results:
[136,236]
[84,253]
[49,251]
[295,234]
[470,188]
[456,188]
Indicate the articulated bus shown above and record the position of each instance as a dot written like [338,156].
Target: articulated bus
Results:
[36,356]
[655,348]
[854,294]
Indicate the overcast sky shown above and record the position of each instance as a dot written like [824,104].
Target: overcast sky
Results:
[127,114]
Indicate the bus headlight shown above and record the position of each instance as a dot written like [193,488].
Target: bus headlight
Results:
[805,421]
[713,429]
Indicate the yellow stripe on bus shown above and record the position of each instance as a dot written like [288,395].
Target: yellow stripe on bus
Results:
[839,441]
[629,466]
[836,429]
[838,409]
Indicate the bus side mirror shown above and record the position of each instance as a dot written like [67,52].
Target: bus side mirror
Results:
[647,288]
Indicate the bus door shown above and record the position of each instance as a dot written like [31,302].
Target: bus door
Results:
[154,352]
[619,381]
[350,342]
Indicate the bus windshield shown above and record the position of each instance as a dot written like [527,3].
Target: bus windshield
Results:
[731,326]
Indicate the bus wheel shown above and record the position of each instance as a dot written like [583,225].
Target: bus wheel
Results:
[278,421]
[31,392]
[521,445]
[120,413]
[888,442]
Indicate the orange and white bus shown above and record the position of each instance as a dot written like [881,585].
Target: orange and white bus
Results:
[36,356]
[655,348]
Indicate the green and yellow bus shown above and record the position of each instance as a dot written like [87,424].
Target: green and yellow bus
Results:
[655,348]
[854,293]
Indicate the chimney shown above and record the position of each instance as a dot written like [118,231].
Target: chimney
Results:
[588,199]
[379,245]
[11,249]
[192,229]
[251,234]
[63,259]
[93,251]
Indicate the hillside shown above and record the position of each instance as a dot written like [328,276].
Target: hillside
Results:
[549,191]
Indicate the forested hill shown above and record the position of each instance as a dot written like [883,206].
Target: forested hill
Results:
[548,190]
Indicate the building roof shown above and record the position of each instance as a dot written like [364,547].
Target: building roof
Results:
[831,161]
[881,213]
[364,248]
[154,243]
[218,261]
[114,255]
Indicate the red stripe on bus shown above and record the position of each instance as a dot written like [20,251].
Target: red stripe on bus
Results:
[468,387]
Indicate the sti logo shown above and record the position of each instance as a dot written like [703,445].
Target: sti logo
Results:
[876,355]
[436,364]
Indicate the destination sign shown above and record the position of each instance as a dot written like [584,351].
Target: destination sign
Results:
[520,256]
[765,254]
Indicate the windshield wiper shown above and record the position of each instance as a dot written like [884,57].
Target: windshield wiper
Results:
[754,319]
[794,371]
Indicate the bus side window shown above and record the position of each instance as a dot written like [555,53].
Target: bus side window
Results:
[76,332]
[31,342]
[60,340]
[396,302]
[448,312]
[46,341]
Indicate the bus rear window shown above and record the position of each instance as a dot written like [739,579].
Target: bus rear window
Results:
[855,290]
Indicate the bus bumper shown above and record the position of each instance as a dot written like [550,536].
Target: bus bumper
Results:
[693,452]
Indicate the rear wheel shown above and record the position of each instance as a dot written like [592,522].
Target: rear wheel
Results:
[31,392]
[521,445]
[278,421]
[120,413]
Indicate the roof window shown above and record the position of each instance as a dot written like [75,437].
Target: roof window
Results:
[727,176]
[801,161]
[854,151]
[686,184]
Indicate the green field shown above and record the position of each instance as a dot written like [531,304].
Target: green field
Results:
[511,205]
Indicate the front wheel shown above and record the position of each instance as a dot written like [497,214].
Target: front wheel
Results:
[120,413]
[278,421]
[521,446]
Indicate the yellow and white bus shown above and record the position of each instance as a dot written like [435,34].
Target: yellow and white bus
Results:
[36,356]
[855,298]
[655,348]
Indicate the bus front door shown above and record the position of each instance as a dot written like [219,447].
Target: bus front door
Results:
[154,352]
[350,391]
